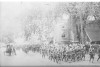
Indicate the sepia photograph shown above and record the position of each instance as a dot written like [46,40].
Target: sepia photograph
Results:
[49,33]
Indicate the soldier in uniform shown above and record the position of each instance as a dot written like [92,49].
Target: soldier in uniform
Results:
[92,54]
[87,47]
[98,54]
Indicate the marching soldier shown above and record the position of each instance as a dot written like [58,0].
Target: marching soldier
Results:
[92,54]
[87,47]
[98,54]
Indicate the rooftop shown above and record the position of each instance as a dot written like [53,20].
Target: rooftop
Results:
[93,31]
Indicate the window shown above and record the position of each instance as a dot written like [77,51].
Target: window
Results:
[63,35]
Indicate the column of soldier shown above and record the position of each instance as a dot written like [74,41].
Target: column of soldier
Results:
[65,53]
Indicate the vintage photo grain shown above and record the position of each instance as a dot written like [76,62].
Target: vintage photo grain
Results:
[49,33]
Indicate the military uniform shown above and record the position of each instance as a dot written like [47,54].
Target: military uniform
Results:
[98,54]
[92,54]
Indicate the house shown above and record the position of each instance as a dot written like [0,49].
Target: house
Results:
[93,32]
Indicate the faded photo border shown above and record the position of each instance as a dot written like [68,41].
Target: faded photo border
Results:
[52,1]
[56,66]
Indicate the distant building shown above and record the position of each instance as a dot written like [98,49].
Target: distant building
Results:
[93,32]
[62,28]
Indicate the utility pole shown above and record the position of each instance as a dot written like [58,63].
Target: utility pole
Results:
[81,23]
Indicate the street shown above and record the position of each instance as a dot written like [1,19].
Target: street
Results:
[35,59]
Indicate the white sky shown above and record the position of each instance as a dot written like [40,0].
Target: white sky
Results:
[11,12]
